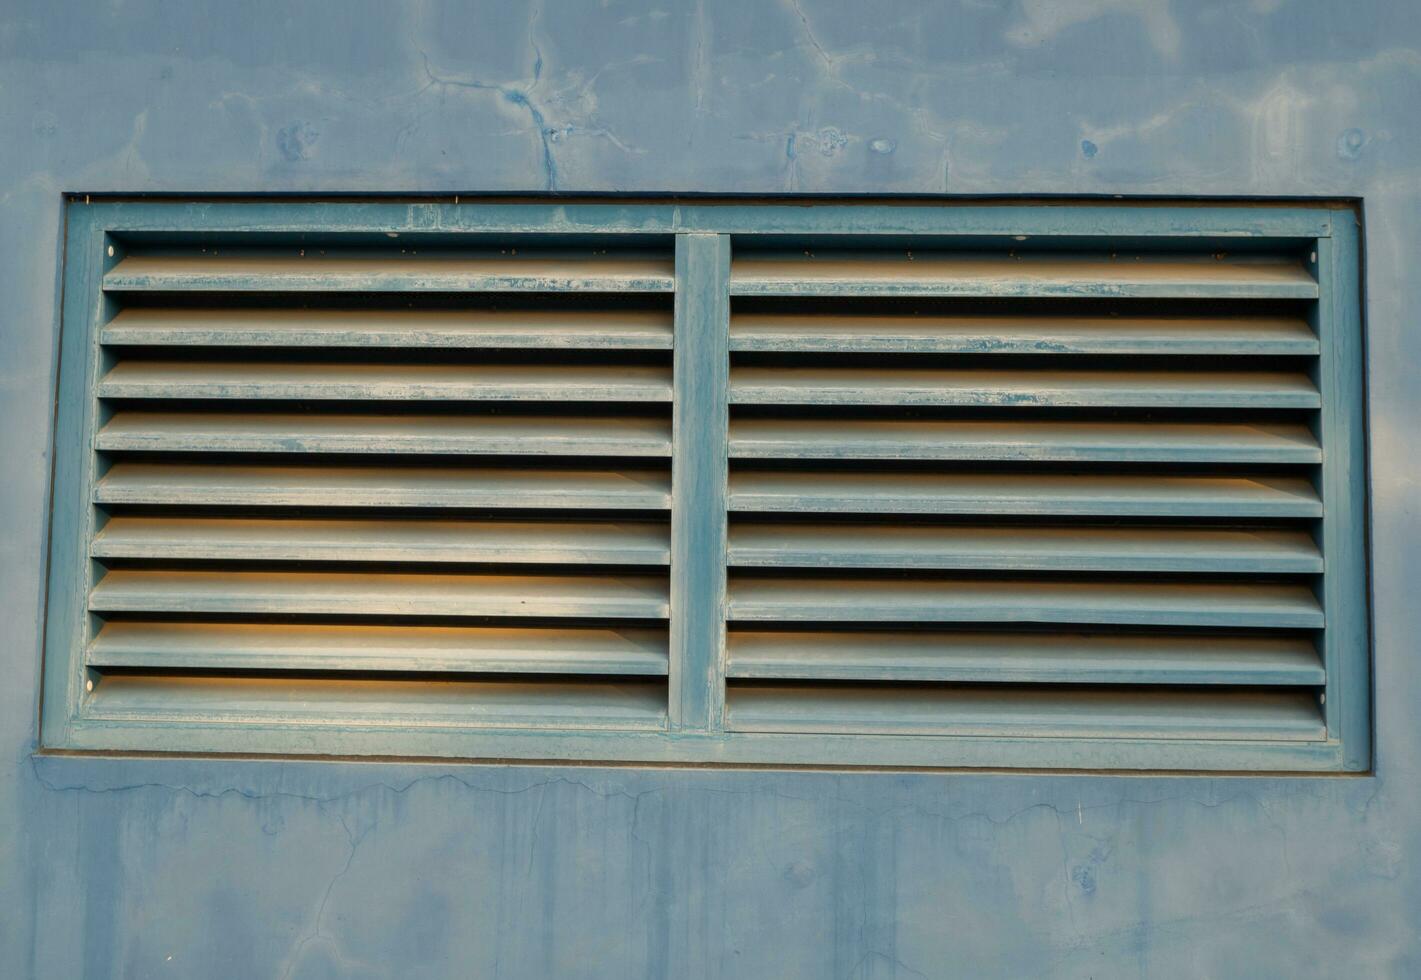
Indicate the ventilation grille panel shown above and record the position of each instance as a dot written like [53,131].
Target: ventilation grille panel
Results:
[1023,494]
[370,485]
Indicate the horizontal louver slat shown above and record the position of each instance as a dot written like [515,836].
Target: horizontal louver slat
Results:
[1046,334]
[205,432]
[386,702]
[1065,549]
[365,328]
[383,271]
[218,484]
[942,600]
[831,491]
[372,593]
[1032,658]
[925,273]
[263,646]
[1143,442]
[1065,389]
[387,382]
[1025,711]
[402,541]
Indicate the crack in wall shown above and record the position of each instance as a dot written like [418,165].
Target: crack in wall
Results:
[513,96]
[317,934]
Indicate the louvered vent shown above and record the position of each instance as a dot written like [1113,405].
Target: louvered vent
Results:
[1026,486]
[357,480]
[1025,491]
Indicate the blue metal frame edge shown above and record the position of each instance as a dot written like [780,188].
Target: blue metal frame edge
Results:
[89,227]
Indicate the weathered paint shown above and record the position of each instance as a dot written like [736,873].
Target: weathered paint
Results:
[392,272]
[1016,494]
[1018,335]
[1064,549]
[1059,441]
[1060,389]
[117,867]
[535,329]
[331,593]
[198,432]
[919,274]
[294,381]
[368,486]
[698,479]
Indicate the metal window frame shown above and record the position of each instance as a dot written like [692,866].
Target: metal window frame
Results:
[703,232]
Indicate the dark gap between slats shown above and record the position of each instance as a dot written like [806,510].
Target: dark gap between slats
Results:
[187,242]
[1102,308]
[311,248]
[375,677]
[1032,690]
[277,296]
[387,619]
[980,520]
[1018,413]
[1077,630]
[444,461]
[1122,364]
[1125,247]
[429,355]
[469,515]
[470,301]
[999,575]
[831,467]
[589,570]
[572,410]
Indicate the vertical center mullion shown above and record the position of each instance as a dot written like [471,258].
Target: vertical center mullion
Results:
[699,463]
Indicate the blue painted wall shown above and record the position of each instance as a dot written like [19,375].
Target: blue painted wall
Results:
[197,868]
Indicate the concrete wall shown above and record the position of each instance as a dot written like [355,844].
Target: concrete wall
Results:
[200,868]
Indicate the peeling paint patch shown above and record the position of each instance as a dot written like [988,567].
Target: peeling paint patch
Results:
[295,141]
[1089,149]
[831,141]
[1351,143]
[882,145]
